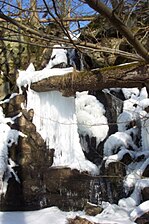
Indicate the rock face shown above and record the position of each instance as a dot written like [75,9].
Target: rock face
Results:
[68,189]
[31,158]
[42,185]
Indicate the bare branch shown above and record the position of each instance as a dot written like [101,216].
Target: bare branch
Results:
[123,29]
[86,46]
[51,39]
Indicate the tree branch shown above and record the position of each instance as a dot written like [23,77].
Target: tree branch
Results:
[124,76]
[101,8]
[51,39]
[72,19]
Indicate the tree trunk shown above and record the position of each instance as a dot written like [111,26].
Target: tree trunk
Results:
[124,76]
[34,18]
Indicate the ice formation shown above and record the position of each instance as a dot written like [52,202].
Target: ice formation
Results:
[55,120]
[140,210]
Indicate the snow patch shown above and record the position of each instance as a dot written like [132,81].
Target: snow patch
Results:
[8,137]
[90,116]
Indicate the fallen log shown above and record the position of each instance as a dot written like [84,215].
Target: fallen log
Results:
[121,76]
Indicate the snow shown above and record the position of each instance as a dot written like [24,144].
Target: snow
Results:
[49,215]
[117,140]
[59,55]
[118,156]
[130,92]
[140,210]
[8,137]
[7,100]
[123,141]
[134,199]
[124,120]
[90,116]
[112,215]
[30,75]
[136,173]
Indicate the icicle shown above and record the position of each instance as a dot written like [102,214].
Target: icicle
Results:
[55,120]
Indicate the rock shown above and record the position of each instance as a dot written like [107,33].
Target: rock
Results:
[145,193]
[28,114]
[71,190]
[92,209]
[144,219]
[146,171]
[140,158]
[14,106]
[67,189]
[145,190]
[112,181]
[13,200]
[32,159]
[115,169]
[126,159]
[79,220]
[23,125]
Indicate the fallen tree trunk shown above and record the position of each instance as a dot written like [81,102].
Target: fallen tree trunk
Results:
[122,76]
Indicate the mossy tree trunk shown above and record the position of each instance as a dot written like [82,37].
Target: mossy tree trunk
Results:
[124,76]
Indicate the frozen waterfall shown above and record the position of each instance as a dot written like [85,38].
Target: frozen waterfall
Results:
[55,119]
